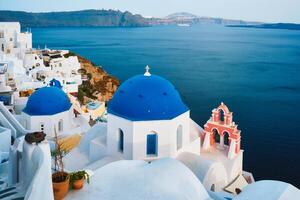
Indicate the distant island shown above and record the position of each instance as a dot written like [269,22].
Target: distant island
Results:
[116,18]
[107,18]
[188,18]
[74,18]
[288,26]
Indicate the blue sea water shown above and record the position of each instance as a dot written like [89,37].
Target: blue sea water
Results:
[256,72]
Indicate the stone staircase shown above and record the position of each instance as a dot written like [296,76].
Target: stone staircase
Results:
[10,192]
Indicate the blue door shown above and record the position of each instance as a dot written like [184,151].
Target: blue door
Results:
[152,144]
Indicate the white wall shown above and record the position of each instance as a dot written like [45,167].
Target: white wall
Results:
[235,166]
[135,136]
[113,124]
[35,171]
[5,139]
[34,122]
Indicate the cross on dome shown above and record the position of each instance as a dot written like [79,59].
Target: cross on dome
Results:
[147,73]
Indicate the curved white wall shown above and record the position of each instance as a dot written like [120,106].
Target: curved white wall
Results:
[35,171]
[207,171]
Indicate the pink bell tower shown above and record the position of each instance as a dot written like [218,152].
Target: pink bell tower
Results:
[222,132]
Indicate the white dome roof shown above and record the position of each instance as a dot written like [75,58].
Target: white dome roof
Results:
[136,179]
[269,190]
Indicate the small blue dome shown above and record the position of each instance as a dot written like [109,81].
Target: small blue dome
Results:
[47,101]
[143,98]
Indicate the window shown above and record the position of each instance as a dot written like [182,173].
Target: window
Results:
[179,137]
[42,127]
[226,138]
[216,136]
[121,140]
[152,144]
[60,125]
[221,115]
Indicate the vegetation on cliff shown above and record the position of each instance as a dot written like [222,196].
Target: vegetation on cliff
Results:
[99,85]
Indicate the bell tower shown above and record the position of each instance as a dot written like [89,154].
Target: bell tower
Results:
[221,132]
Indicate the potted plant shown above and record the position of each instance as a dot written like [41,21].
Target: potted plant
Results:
[36,137]
[60,179]
[77,179]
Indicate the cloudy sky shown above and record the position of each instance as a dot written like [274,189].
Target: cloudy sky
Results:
[252,10]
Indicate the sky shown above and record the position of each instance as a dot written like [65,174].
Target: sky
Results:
[250,10]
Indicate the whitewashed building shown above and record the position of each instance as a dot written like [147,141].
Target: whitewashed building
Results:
[49,109]
[12,40]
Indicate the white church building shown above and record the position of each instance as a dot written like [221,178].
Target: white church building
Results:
[148,120]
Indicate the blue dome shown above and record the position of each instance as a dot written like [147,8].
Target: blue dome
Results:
[143,98]
[47,101]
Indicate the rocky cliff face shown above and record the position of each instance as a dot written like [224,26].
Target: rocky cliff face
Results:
[99,84]
[74,18]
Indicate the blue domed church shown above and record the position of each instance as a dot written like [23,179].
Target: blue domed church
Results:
[47,109]
[147,119]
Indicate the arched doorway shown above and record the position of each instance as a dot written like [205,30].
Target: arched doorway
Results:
[152,144]
[179,137]
[221,113]
[121,140]
[226,138]
[216,136]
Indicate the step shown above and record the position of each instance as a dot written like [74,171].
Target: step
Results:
[7,190]
[18,198]
[8,195]
[11,193]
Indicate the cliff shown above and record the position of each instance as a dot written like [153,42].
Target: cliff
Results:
[99,84]
[184,17]
[74,18]
[107,18]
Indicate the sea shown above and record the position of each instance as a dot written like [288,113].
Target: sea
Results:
[255,72]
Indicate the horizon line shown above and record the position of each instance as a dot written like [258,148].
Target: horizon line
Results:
[145,16]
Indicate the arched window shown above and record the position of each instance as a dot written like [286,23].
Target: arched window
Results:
[216,135]
[226,138]
[179,137]
[60,125]
[121,140]
[152,144]
[221,115]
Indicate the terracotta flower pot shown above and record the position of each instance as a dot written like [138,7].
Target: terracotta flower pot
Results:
[60,181]
[78,184]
